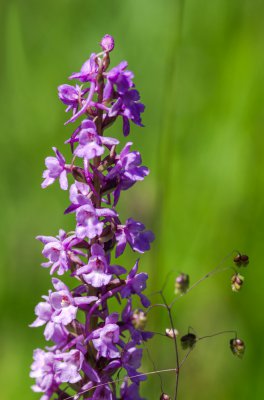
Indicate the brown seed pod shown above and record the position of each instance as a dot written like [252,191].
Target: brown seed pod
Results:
[237,347]
[165,396]
[188,341]
[241,260]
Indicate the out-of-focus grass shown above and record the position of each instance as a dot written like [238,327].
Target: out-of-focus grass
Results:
[203,142]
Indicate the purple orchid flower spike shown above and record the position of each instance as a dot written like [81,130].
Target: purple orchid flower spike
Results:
[56,168]
[89,343]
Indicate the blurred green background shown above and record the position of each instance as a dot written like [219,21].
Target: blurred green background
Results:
[200,68]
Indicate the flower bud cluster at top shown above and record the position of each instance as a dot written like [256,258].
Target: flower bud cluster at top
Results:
[91,344]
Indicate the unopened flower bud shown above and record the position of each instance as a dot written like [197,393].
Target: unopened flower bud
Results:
[110,186]
[78,174]
[237,347]
[108,246]
[107,43]
[165,396]
[241,260]
[171,333]
[139,319]
[182,283]
[188,341]
[237,281]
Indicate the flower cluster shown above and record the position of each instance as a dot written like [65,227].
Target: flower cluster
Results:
[91,343]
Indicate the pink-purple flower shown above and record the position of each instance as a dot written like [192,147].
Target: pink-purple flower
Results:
[134,233]
[105,339]
[72,96]
[127,171]
[59,310]
[135,284]
[88,223]
[51,369]
[118,78]
[56,168]
[88,70]
[90,143]
[59,251]
[96,272]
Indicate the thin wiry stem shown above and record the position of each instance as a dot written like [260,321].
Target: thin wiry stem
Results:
[216,270]
[76,396]
[185,357]
[217,334]
[154,366]
[177,370]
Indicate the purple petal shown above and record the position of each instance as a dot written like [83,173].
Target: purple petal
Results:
[106,212]
[133,271]
[79,301]
[109,141]
[63,180]
[59,285]
[97,278]
[116,270]
[121,243]
[46,239]
[126,126]
[97,250]
[90,372]
[112,318]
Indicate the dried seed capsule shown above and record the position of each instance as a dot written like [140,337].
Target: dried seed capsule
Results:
[237,347]
[139,319]
[188,341]
[237,281]
[241,260]
[171,333]
[182,283]
[165,396]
